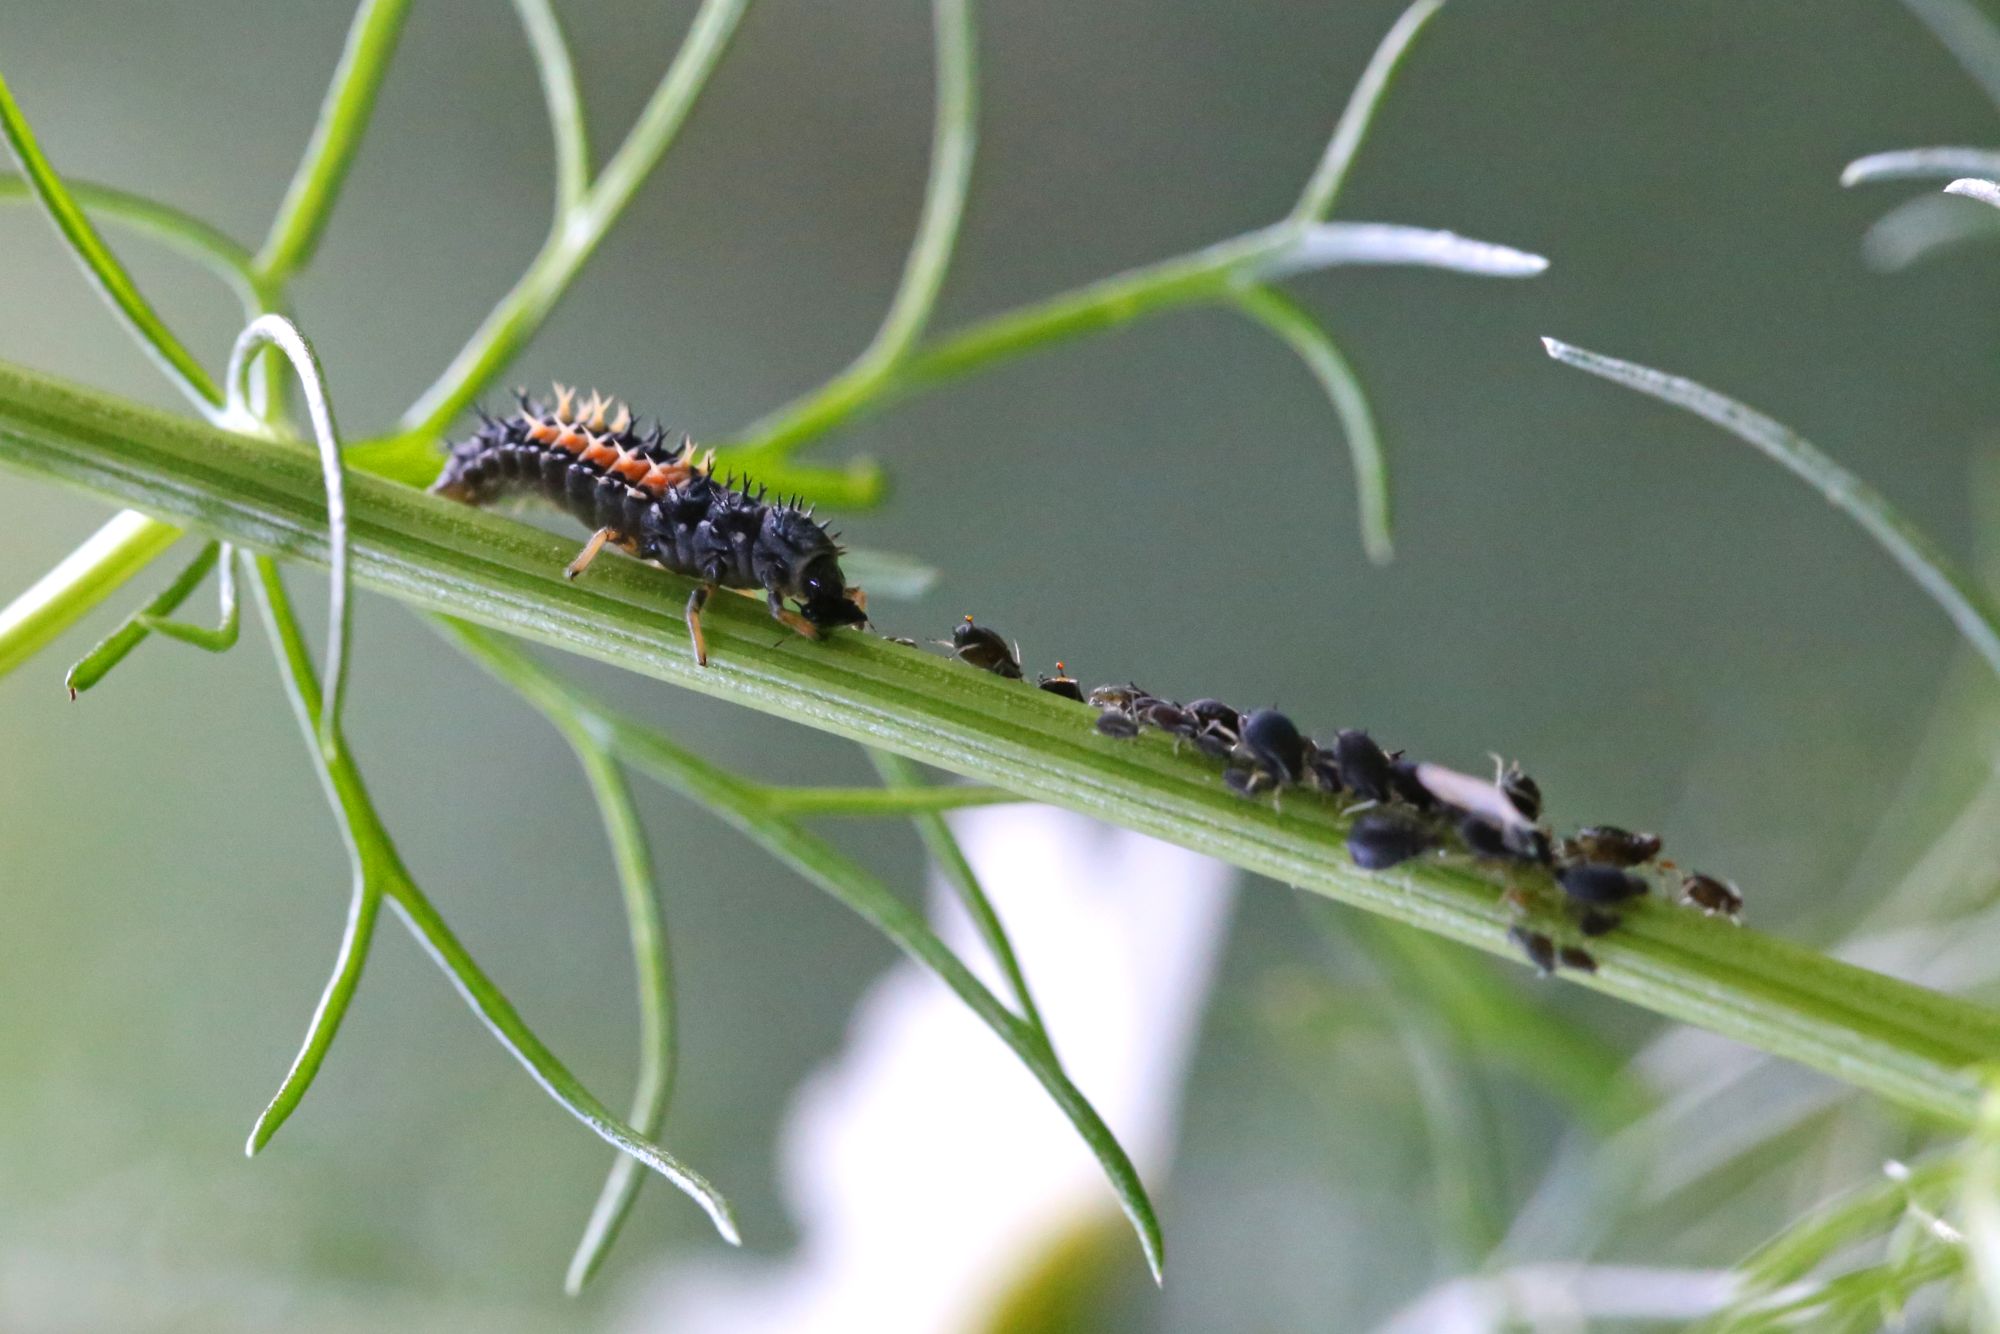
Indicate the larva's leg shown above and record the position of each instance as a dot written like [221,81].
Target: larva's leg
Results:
[589,552]
[859,597]
[696,601]
[780,612]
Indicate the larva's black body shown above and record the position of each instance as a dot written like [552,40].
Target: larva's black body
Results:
[655,500]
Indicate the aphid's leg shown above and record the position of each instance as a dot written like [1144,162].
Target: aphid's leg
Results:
[780,612]
[589,552]
[696,601]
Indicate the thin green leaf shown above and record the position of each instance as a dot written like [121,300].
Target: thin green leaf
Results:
[343,118]
[1980,1205]
[899,774]
[954,136]
[1903,1042]
[739,805]
[577,233]
[1323,189]
[1908,545]
[1919,228]
[888,574]
[101,266]
[1905,164]
[124,546]
[182,232]
[219,638]
[1450,1088]
[1821,1234]
[1328,245]
[557,73]
[1505,1027]
[364,907]
[375,853]
[653,966]
[1965,31]
[1292,323]
[111,650]
[369,847]
[1986,192]
[1300,243]
[279,332]
[879,802]
[1199,277]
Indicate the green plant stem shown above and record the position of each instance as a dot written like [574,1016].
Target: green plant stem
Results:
[1316,201]
[736,802]
[381,867]
[899,774]
[567,125]
[953,138]
[101,266]
[954,135]
[125,545]
[343,117]
[153,619]
[653,966]
[181,232]
[882,802]
[1294,324]
[1201,275]
[579,230]
[1910,1045]
[219,638]
[1956,593]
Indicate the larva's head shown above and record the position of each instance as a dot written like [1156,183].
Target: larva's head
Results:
[798,558]
[824,597]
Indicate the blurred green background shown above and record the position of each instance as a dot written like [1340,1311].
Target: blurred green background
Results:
[1666,629]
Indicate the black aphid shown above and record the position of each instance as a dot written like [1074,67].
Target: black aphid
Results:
[1483,838]
[1323,768]
[1596,921]
[1364,767]
[1523,791]
[1165,715]
[1215,741]
[1271,742]
[1115,697]
[1579,959]
[1248,782]
[1214,713]
[1715,897]
[654,499]
[1408,787]
[1598,884]
[1611,845]
[1061,684]
[1117,723]
[1382,839]
[1541,951]
[985,649]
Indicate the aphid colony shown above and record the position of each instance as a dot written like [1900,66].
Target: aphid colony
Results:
[655,499]
[1404,809]
[658,501]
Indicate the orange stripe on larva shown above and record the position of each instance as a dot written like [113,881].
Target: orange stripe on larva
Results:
[543,433]
[662,476]
[631,467]
[600,454]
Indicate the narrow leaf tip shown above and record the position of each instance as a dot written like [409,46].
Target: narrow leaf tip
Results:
[1986,192]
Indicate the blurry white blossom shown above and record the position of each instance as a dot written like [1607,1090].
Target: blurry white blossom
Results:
[925,1166]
